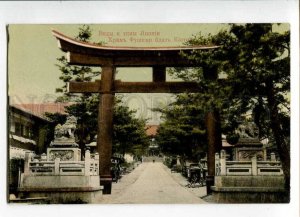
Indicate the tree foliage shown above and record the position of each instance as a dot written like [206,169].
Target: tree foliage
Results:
[56,118]
[129,132]
[74,72]
[183,130]
[250,56]
[254,61]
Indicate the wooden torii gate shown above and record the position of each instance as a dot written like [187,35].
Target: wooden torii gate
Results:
[109,58]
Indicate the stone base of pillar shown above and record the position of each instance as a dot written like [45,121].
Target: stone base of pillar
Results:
[209,183]
[106,182]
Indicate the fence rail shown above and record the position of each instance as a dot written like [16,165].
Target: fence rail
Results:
[88,167]
[247,168]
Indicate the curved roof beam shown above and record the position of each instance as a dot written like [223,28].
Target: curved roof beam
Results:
[86,45]
[84,53]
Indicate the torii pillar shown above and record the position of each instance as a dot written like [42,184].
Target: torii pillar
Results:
[105,126]
[108,57]
[214,140]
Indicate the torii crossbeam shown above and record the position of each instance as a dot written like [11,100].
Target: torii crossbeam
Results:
[109,58]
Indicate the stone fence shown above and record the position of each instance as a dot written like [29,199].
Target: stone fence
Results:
[42,167]
[246,168]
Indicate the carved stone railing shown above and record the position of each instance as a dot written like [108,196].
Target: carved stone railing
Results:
[246,168]
[42,167]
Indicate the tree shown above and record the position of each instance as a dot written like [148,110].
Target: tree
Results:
[256,62]
[263,60]
[129,135]
[183,130]
[85,105]
[56,118]
[129,132]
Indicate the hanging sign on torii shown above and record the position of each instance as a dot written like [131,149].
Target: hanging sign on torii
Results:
[109,58]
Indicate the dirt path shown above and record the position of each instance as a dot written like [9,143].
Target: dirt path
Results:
[152,183]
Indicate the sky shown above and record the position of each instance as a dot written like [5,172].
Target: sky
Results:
[33,51]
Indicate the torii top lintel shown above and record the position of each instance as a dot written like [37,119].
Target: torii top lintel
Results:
[83,53]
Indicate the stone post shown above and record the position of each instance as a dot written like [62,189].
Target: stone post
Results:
[87,163]
[178,161]
[56,166]
[97,163]
[217,164]
[265,153]
[223,163]
[254,165]
[43,157]
[26,163]
[94,163]
[273,156]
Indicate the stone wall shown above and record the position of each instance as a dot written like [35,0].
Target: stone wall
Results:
[249,189]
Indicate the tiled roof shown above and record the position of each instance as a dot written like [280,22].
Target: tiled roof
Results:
[17,108]
[41,109]
[151,130]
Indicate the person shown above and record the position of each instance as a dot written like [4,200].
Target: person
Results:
[153,161]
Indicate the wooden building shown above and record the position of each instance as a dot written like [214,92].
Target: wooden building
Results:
[26,132]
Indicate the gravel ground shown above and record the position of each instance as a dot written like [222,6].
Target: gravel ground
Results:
[153,183]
